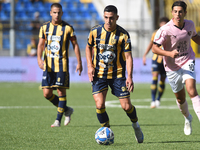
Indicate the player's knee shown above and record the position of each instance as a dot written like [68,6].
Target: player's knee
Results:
[100,106]
[47,95]
[126,107]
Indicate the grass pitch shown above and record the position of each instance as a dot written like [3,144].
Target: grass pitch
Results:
[25,119]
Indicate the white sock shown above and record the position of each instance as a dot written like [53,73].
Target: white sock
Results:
[183,108]
[196,105]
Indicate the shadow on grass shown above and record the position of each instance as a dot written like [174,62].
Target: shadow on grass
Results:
[172,142]
[126,125]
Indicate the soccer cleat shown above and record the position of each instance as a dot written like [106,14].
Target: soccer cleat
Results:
[56,124]
[188,127]
[157,103]
[68,114]
[153,104]
[138,132]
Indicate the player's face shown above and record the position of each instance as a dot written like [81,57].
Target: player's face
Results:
[110,19]
[178,14]
[56,14]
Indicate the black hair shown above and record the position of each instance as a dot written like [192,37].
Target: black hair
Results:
[110,8]
[164,19]
[56,5]
[180,3]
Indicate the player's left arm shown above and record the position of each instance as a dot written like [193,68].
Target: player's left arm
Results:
[129,67]
[74,42]
[196,39]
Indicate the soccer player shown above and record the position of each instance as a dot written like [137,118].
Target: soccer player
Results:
[179,59]
[157,69]
[110,46]
[54,36]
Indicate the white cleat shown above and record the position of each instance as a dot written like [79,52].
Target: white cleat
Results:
[153,104]
[188,127]
[138,132]
[157,103]
[68,114]
[56,124]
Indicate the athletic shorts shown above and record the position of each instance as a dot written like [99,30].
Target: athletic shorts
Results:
[177,78]
[55,80]
[158,67]
[118,86]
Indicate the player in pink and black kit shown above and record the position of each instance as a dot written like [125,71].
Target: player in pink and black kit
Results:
[179,59]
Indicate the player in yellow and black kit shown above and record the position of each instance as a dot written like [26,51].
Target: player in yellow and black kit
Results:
[110,46]
[55,37]
[157,68]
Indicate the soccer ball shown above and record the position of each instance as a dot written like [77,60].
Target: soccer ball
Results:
[104,136]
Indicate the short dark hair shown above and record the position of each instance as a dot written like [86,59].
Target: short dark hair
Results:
[164,19]
[56,5]
[180,3]
[110,8]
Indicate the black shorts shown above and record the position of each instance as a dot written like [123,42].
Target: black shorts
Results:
[118,86]
[55,80]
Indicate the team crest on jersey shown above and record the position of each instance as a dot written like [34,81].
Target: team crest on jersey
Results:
[189,33]
[158,33]
[61,33]
[113,41]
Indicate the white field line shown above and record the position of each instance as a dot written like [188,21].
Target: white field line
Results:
[112,104]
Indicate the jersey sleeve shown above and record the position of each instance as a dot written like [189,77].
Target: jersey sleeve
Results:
[41,33]
[127,43]
[72,34]
[90,39]
[160,37]
[194,30]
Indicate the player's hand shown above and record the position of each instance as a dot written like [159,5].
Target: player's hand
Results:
[79,68]
[91,72]
[174,54]
[129,84]
[41,64]
[144,60]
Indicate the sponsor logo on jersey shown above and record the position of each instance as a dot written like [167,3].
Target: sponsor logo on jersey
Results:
[53,47]
[107,56]
[54,38]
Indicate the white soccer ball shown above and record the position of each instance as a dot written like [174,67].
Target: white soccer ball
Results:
[104,136]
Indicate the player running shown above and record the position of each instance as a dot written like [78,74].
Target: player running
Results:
[179,59]
[110,46]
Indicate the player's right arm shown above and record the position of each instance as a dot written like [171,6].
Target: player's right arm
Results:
[91,70]
[157,50]
[40,49]
[159,39]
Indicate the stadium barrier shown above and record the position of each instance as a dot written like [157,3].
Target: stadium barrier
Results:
[25,69]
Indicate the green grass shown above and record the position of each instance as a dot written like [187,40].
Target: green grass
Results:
[25,119]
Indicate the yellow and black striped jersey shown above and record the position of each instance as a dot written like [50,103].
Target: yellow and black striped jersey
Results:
[156,57]
[57,40]
[109,48]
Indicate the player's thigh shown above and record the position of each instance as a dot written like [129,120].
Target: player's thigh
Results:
[189,78]
[175,80]
[99,91]
[190,85]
